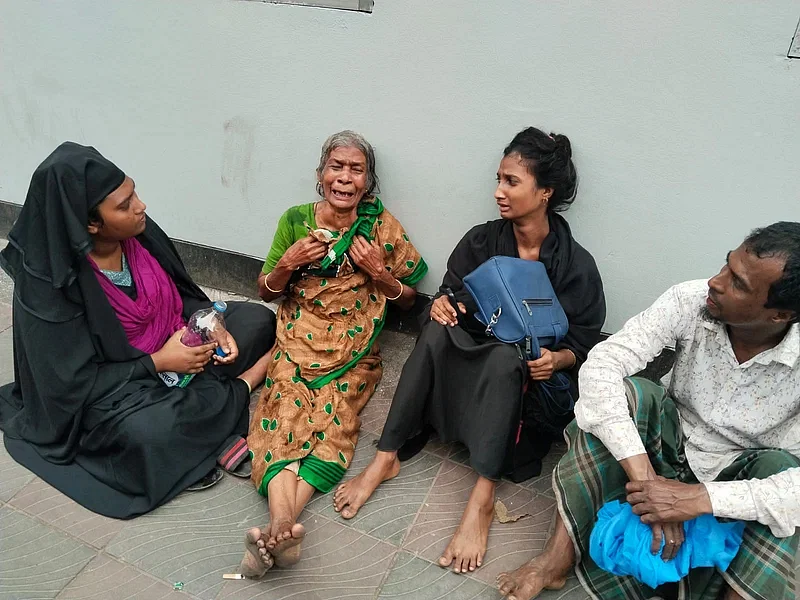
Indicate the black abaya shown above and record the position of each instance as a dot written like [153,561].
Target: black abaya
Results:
[468,387]
[85,411]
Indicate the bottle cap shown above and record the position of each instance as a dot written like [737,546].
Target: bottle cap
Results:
[220,306]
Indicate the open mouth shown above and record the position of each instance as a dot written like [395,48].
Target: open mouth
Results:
[342,195]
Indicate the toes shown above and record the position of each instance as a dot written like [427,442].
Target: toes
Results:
[473,563]
[461,564]
[479,560]
[446,558]
[348,513]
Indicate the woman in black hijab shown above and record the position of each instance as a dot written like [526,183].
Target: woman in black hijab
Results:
[87,411]
[470,388]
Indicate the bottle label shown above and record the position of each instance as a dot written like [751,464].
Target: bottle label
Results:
[172,379]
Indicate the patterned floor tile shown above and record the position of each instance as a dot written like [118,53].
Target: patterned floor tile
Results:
[25,548]
[105,577]
[6,284]
[6,356]
[395,348]
[338,562]
[43,501]
[509,544]
[373,416]
[13,476]
[393,506]
[416,579]
[195,538]
[5,316]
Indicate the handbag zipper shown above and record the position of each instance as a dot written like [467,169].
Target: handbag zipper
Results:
[528,302]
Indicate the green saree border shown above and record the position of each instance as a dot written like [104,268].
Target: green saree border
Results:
[320,474]
[419,272]
[273,470]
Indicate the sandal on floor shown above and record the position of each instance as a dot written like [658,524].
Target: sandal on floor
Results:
[213,477]
[235,458]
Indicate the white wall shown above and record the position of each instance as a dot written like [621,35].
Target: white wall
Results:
[684,116]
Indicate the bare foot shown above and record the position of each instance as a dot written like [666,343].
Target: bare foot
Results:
[527,582]
[468,545]
[351,495]
[287,540]
[548,571]
[257,559]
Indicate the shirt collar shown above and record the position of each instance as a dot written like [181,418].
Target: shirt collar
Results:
[787,352]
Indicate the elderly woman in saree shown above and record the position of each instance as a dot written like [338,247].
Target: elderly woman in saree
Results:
[338,262]
[101,298]
[470,388]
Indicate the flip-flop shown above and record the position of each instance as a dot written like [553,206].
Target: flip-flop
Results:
[235,458]
[213,477]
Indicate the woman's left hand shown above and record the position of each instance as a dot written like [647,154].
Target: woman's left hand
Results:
[543,367]
[229,347]
[368,257]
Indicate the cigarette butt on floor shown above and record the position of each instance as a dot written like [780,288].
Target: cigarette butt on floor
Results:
[233,576]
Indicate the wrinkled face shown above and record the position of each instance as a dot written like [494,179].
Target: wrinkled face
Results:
[122,214]
[517,193]
[738,293]
[344,178]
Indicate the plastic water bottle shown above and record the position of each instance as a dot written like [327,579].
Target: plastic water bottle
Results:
[205,326]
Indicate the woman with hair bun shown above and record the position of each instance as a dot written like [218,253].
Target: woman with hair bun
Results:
[467,386]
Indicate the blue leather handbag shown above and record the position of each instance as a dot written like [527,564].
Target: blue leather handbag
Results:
[517,303]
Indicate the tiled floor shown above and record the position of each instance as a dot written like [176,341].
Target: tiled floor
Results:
[50,547]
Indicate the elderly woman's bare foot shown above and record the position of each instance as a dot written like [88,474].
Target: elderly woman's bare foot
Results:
[284,542]
[257,559]
[351,495]
[468,546]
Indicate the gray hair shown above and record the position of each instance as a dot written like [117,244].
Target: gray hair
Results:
[350,139]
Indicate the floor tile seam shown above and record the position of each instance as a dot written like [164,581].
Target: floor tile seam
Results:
[387,573]
[81,570]
[118,559]
[41,521]
[419,510]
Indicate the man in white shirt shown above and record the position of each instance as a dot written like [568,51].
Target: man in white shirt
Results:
[724,440]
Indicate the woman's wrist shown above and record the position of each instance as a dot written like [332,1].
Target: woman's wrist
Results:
[269,288]
[566,359]
[156,358]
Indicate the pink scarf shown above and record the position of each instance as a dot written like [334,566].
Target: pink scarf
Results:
[157,311]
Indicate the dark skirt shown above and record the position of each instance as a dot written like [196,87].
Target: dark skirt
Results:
[473,391]
[139,450]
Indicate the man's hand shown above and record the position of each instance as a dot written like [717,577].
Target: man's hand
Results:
[665,501]
[672,534]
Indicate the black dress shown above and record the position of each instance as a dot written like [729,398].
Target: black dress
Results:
[86,411]
[468,387]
